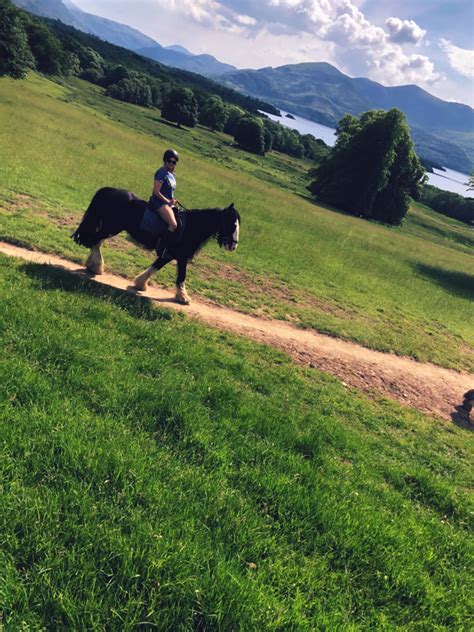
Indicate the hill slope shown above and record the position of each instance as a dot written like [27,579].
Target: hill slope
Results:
[408,289]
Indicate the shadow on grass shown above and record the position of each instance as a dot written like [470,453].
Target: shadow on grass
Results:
[459,283]
[50,277]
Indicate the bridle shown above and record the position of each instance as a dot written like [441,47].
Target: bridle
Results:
[226,241]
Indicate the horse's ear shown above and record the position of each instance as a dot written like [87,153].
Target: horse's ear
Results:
[232,205]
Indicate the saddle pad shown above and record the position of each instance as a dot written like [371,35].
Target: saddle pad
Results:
[153,223]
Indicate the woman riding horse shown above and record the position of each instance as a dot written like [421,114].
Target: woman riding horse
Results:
[112,211]
[162,199]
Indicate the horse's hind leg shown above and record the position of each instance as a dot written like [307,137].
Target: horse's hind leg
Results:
[141,281]
[181,295]
[95,261]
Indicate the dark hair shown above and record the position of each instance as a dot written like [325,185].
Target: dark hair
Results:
[171,153]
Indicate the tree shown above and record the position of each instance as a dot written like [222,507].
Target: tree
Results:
[249,134]
[133,89]
[372,170]
[114,74]
[15,54]
[314,148]
[234,114]
[213,113]
[90,58]
[180,107]
[470,184]
[47,49]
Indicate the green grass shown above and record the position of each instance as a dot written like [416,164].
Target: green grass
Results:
[408,290]
[160,475]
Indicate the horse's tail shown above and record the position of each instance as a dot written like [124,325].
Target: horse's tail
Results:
[87,233]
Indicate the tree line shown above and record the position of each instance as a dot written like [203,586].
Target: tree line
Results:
[448,203]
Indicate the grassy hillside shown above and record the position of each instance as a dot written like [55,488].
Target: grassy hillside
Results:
[407,290]
[160,475]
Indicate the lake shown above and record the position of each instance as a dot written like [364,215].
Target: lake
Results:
[448,180]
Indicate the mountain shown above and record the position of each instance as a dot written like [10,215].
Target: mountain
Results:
[202,64]
[179,49]
[66,12]
[125,36]
[320,92]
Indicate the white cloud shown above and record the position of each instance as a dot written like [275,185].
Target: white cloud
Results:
[251,33]
[393,67]
[351,28]
[460,59]
[404,31]
[246,20]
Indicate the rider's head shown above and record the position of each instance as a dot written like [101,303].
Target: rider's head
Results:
[170,157]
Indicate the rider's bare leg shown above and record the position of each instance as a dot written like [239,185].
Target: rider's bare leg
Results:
[166,212]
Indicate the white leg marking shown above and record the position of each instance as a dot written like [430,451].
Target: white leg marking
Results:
[141,281]
[95,261]
[181,295]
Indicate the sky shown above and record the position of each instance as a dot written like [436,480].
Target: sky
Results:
[395,42]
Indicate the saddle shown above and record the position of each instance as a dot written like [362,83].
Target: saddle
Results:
[156,226]
[153,223]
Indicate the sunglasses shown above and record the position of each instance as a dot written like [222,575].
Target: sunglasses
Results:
[171,162]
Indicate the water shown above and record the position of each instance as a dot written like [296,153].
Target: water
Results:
[305,126]
[448,180]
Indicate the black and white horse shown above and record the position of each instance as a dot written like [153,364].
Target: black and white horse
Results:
[113,210]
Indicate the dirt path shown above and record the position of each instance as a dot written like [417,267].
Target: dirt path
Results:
[426,387]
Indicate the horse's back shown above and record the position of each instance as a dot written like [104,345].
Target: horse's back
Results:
[111,195]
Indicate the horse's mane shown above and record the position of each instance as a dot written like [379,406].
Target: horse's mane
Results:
[199,234]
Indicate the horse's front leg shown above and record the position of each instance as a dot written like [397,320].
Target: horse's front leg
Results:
[95,261]
[181,295]
[141,281]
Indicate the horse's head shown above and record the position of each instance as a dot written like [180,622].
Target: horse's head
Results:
[228,235]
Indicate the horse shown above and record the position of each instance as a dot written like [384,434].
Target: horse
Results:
[112,211]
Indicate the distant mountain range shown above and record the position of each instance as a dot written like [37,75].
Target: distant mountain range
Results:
[443,132]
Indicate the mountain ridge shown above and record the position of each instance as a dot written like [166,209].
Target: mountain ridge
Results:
[322,93]
[125,36]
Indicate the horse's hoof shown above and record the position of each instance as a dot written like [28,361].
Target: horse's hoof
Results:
[95,270]
[182,297]
[140,284]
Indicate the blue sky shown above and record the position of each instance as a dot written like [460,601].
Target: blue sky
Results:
[395,42]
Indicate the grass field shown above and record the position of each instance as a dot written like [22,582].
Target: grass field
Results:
[160,475]
[408,290]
